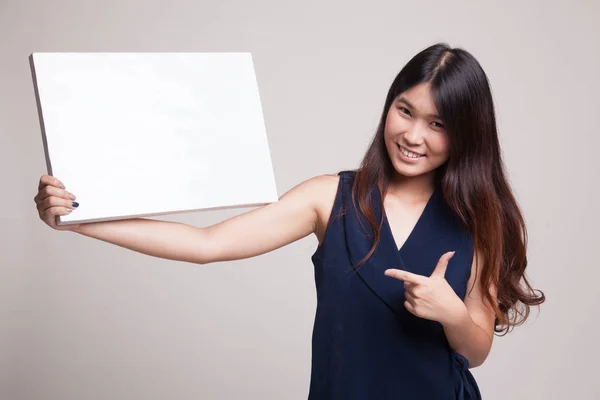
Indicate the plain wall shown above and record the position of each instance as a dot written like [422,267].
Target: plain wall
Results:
[83,319]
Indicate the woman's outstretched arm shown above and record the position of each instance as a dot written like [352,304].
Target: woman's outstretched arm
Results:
[252,233]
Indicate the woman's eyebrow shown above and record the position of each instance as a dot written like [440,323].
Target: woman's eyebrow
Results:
[402,99]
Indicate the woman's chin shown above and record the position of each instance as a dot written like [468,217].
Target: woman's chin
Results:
[410,170]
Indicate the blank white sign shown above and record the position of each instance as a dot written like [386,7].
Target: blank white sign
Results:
[141,134]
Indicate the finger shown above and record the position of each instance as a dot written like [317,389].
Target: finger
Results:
[404,275]
[46,180]
[54,201]
[409,297]
[442,265]
[48,191]
[410,307]
[60,211]
[51,216]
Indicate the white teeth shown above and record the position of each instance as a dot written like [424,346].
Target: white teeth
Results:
[409,153]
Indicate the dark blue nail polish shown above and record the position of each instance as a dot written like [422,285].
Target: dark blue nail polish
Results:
[75,204]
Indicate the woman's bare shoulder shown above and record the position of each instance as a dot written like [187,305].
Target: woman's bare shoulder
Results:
[325,188]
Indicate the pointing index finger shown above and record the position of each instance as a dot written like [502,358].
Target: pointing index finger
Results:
[404,275]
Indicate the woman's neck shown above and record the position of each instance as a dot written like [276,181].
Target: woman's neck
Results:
[412,189]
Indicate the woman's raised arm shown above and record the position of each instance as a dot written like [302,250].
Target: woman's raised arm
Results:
[246,235]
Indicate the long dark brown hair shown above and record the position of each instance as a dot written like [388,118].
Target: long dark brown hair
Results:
[473,180]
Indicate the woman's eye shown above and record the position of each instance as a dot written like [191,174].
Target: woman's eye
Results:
[439,125]
[402,109]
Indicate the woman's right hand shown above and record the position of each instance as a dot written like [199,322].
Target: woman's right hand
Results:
[53,200]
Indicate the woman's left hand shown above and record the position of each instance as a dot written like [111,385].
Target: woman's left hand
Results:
[431,297]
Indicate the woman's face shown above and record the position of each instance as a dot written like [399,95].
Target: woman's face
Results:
[412,125]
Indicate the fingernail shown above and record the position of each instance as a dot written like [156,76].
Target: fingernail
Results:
[62,186]
[71,196]
[75,204]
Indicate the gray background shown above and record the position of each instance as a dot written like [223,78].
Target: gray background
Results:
[83,319]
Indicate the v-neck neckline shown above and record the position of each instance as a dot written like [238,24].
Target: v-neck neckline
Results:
[412,232]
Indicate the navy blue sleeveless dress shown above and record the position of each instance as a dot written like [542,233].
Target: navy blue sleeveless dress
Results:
[365,344]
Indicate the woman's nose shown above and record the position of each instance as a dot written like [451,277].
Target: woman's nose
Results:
[415,134]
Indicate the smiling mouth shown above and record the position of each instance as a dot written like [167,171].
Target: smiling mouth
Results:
[408,153]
